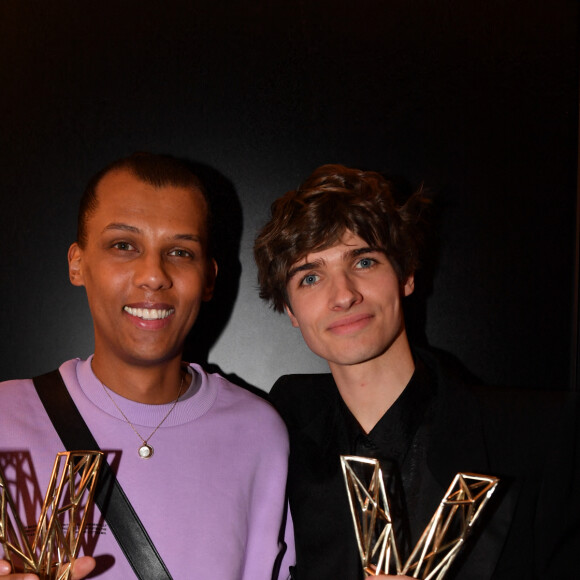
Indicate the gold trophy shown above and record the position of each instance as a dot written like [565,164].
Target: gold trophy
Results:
[443,537]
[55,545]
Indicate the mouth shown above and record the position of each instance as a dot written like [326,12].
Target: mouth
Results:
[350,324]
[149,313]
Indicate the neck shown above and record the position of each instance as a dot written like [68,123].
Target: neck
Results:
[153,385]
[371,387]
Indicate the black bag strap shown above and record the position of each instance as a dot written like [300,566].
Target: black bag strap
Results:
[125,524]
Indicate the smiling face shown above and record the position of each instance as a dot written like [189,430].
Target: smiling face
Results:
[144,267]
[346,301]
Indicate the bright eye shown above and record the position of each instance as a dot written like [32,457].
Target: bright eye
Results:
[180,253]
[365,263]
[125,246]
[309,280]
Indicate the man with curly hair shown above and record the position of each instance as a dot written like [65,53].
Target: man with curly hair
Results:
[339,256]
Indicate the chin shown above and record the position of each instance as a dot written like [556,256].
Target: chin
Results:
[151,357]
[354,356]
[349,359]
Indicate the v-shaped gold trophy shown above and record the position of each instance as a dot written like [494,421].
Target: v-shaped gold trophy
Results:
[443,537]
[56,541]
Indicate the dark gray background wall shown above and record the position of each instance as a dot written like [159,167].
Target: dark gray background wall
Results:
[478,100]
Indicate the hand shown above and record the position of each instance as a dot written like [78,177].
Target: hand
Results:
[82,567]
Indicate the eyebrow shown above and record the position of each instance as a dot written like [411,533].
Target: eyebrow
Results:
[134,230]
[348,255]
[365,250]
[307,266]
[120,226]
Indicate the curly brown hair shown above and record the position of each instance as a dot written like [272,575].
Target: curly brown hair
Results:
[315,216]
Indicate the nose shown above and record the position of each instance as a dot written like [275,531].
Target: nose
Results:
[344,292]
[151,272]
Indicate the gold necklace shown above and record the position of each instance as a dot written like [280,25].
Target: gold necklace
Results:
[145,451]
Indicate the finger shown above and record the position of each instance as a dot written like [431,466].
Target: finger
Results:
[5,570]
[83,566]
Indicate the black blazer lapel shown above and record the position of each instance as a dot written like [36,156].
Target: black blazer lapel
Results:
[458,444]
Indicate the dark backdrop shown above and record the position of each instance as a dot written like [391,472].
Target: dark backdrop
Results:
[478,100]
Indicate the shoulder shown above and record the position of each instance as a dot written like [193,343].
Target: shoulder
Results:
[27,424]
[239,405]
[515,422]
[21,395]
[457,387]
[15,388]
[23,387]
[300,398]
[532,422]
[67,369]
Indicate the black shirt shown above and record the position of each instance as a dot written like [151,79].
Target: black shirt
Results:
[399,442]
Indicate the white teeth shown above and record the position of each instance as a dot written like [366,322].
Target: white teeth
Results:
[148,313]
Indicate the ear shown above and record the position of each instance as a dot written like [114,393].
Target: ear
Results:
[291,316]
[75,270]
[409,285]
[211,275]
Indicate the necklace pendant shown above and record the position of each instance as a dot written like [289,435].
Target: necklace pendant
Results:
[145,451]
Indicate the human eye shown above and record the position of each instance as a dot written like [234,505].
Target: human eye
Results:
[365,263]
[181,253]
[309,280]
[123,246]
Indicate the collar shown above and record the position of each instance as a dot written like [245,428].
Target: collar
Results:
[195,402]
[393,434]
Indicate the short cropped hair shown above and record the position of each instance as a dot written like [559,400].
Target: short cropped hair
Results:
[154,169]
[315,216]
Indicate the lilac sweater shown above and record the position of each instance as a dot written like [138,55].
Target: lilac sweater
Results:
[211,497]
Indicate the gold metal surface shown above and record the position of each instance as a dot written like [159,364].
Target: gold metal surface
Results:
[62,520]
[369,506]
[443,537]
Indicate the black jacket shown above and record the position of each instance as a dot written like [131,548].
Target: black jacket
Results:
[530,440]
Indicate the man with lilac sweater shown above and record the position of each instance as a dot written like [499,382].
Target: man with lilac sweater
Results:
[202,461]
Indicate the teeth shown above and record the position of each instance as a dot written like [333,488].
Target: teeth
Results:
[148,313]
